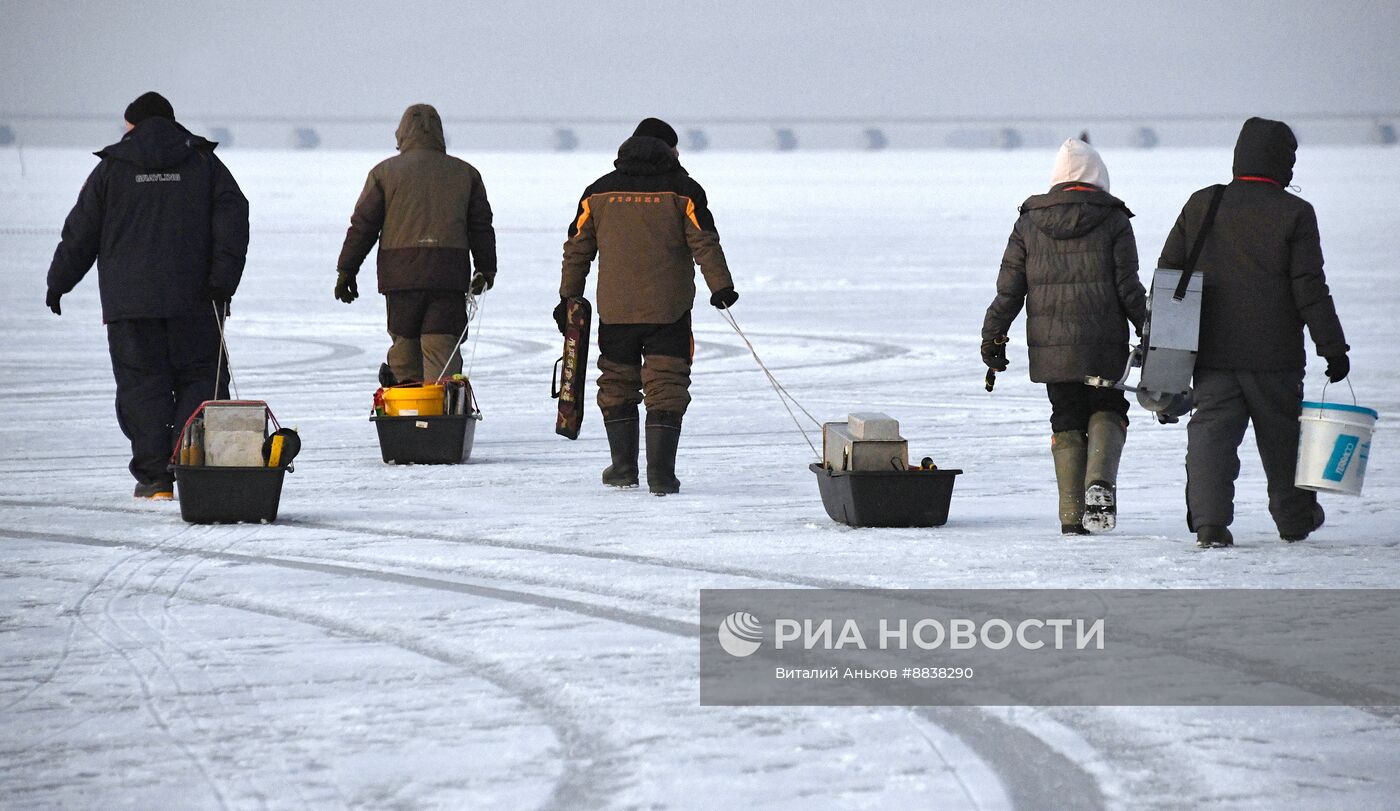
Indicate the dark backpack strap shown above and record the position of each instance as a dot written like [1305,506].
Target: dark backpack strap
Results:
[1180,292]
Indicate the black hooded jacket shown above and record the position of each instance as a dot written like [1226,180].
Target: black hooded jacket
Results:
[164,220]
[1072,262]
[1261,264]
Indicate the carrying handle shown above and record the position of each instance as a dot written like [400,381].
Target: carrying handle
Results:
[1206,224]
[556,380]
[1349,386]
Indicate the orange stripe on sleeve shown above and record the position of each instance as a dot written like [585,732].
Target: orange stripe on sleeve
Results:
[582,218]
[690,212]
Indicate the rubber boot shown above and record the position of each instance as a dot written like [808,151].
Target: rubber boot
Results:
[622,431]
[1319,518]
[1213,537]
[663,437]
[1069,450]
[1105,440]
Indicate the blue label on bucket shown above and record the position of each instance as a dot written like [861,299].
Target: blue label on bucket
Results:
[1342,452]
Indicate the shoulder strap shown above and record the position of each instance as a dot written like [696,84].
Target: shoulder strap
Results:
[1180,292]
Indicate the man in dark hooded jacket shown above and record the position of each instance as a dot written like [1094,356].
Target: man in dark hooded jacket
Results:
[168,227]
[649,224]
[1261,268]
[429,213]
[1072,262]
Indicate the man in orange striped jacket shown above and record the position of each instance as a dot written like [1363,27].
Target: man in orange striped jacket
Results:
[648,223]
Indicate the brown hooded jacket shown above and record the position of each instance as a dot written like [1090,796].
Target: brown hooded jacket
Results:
[428,211]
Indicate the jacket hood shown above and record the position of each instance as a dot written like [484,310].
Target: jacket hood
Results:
[1079,162]
[1063,214]
[1267,149]
[420,128]
[644,155]
[156,143]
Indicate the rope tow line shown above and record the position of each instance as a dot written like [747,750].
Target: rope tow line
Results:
[223,364]
[783,394]
[473,308]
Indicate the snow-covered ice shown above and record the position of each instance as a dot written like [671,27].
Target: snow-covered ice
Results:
[509,633]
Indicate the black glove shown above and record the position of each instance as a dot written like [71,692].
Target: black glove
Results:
[724,299]
[219,295]
[1338,367]
[994,353]
[481,283]
[345,288]
[51,301]
[561,312]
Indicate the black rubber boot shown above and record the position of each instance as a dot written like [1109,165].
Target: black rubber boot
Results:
[663,437]
[1212,537]
[1319,518]
[622,442]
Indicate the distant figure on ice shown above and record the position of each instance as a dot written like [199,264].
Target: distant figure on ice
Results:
[648,223]
[1072,262]
[1261,267]
[429,213]
[168,227]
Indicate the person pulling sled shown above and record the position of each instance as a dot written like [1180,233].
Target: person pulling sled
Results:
[1072,263]
[429,213]
[649,224]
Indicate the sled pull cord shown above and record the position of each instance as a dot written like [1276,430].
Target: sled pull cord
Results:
[223,364]
[1206,224]
[474,303]
[783,394]
[472,309]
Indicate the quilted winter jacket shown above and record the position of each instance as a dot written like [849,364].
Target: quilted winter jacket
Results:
[649,224]
[428,211]
[1072,262]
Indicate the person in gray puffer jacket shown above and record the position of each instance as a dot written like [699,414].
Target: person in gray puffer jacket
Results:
[1072,263]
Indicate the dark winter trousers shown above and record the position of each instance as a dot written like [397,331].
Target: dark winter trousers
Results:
[650,358]
[1071,405]
[425,326]
[164,369]
[1226,402]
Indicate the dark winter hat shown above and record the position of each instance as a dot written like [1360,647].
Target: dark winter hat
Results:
[656,128]
[1266,149]
[148,105]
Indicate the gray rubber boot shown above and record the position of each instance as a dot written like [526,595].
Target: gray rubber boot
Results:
[1105,448]
[1070,452]
[663,437]
[622,442]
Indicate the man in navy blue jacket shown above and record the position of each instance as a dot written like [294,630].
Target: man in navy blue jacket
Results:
[168,228]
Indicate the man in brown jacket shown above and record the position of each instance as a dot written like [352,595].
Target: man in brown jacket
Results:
[649,224]
[430,215]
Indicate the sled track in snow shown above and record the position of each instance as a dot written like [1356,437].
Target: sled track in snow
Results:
[1382,709]
[871,352]
[1033,773]
[591,766]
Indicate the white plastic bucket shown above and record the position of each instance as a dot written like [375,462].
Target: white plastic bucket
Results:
[1333,446]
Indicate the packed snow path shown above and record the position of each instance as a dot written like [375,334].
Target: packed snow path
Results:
[509,633]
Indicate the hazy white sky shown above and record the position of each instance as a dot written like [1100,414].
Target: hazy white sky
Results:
[702,60]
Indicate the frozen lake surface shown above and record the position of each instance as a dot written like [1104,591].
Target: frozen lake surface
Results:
[510,633]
